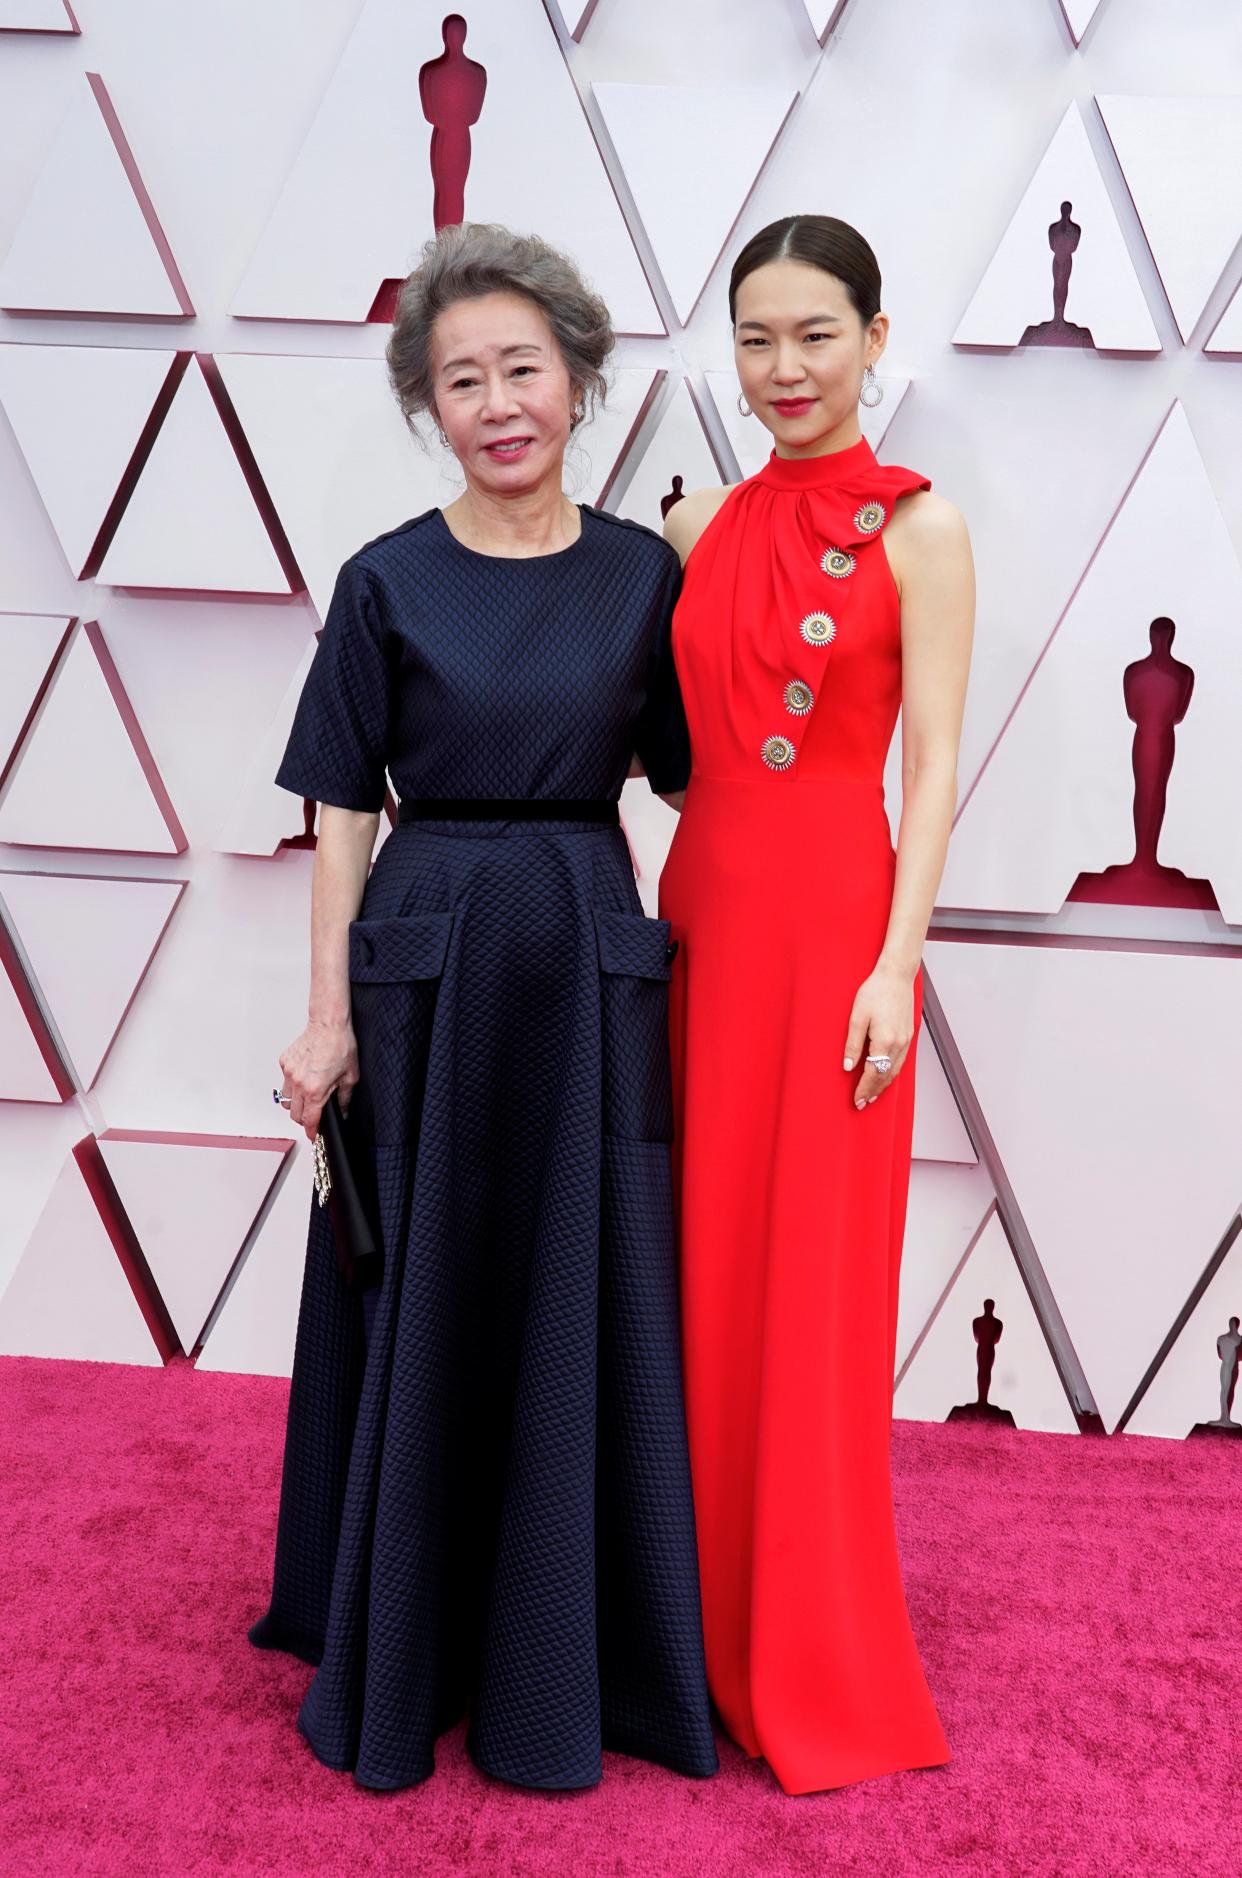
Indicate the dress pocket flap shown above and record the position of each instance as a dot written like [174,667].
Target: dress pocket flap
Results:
[632,944]
[390,951]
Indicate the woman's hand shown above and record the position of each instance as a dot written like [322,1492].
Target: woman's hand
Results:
[323,1058]
[883,1020]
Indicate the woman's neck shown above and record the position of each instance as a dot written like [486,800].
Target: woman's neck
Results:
[532,521]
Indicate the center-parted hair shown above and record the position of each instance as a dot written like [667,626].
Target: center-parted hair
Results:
[471,259]
[819,241]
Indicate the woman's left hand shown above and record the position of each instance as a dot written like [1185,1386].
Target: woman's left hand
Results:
[882,1020]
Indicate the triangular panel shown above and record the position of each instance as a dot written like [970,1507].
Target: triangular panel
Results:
[78,413]
[262,815]
[85,777]
[1123,1165]
[677,460]
[191,1200]
[943,1373]
[1227,336]
[89,240]
[1182,161]
[1078,16]
[1056,797]
[689,182]
[945,1214]
[1186,1390]
[30,1065]
[69,1296]
[939,1131]
[192,521]
[37,16]
[89,942]
[1016,302]
[30,645]
[254,1331]
[356,209]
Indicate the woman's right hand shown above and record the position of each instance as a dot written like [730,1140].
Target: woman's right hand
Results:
[323,1058]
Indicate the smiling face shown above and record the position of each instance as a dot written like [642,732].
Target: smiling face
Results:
[801,350]
[503,395]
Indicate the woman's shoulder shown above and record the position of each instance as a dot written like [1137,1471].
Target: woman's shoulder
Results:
[384,550]
[687,519]
[929,520]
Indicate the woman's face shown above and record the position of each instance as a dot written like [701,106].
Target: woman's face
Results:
[801,350]
[503,395]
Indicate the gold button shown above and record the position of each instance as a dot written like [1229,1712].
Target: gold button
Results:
[838,563]
[778,753]
[818,629]
[798,697]
[871,516]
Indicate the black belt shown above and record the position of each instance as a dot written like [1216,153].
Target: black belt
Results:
[501,809]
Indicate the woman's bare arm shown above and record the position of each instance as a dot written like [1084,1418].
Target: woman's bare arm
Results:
[325,1056]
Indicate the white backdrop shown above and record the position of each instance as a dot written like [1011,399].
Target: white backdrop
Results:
[198,208]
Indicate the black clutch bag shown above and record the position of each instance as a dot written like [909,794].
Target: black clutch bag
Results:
[339,1189]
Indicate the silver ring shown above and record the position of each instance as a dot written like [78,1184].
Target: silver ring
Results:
[284,1101]
[881,1063]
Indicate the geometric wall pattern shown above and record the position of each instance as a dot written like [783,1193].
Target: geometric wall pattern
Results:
[1061,258]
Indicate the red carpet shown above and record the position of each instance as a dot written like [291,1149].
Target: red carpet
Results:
[1077,1602]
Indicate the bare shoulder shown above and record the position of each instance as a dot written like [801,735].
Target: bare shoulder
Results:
[687,519]
[929,523]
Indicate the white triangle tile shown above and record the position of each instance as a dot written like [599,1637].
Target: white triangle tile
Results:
[356,210]
[1055,798]
[939,1131]
[262,815]
[88,942]
[88,240]
[1227,336]
[1078,16]
[36,16]
[334,454]
[1104,293]
[1123,1164]
[78,412]
[30,644]
[945,1214]
[254,1332]
[191,1201]
[86,728]
[689,183]
[1186,1389]
[678,448]
[823,15]
[752,444]
[30,1070]
[597,451]
[942,1373]
[68,1296]
[191,521]
[1182,161]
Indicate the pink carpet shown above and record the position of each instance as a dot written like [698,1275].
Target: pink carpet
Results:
[1077,1602]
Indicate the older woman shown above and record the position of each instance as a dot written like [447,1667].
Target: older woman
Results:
[486,1505]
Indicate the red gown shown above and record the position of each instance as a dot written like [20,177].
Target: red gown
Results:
[792,1202]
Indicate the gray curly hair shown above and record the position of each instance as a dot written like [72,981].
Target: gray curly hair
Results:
[475,258]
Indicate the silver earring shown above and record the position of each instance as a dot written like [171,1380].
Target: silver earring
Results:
[742,405]
[872,392]
[576,418]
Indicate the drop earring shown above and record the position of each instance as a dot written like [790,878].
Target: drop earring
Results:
[872,392]
[743,408]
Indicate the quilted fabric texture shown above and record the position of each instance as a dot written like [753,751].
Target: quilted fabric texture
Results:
[486,1505]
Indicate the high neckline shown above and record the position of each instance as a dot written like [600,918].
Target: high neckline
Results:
[815,472]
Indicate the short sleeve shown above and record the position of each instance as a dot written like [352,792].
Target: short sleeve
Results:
[661,736]
[338,745]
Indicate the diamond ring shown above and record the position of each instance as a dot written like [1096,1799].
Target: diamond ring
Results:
[284,1101]
[881,1063]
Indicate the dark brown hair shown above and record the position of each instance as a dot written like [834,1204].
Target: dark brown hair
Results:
[819,241]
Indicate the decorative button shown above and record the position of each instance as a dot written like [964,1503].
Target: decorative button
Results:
[778,753]
[838,563]
[871,516]
[798,697]
[818,629]
[671,950]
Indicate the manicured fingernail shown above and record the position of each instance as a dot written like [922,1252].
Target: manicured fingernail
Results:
[849,1062]
[860,1104]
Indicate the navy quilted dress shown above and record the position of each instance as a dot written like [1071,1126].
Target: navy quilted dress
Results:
[485,1508]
